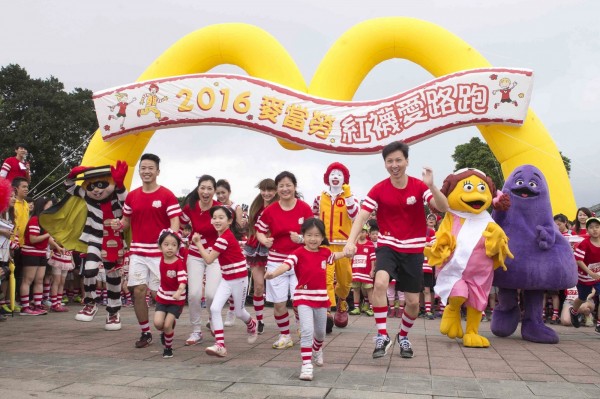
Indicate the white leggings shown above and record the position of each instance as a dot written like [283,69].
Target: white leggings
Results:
[312,324]
[196,268]
[238,289]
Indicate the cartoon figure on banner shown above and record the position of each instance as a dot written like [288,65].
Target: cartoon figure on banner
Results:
[506,87]
[337,208]
[543,258]
[102,194]
[151,100]
[122,111]
[469,246]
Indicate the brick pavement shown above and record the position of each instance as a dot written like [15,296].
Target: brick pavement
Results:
[55,356]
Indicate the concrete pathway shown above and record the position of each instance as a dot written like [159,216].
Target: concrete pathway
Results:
[54,356]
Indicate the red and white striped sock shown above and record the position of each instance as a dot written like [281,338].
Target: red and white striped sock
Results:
[144,326]
[427,307]
[219,337]
[231,305]
[356,304]
[555,312]
[317,345]
[283,323]
[296,316]
[381,319]
[77,291]
[46,290]
[37,298]
[54,300]
[70,294]
[259,306]
[104,294]
[406,324]
[24,301]
[251,325]
[169,339]
[306,353]
[128,296]
[98,292]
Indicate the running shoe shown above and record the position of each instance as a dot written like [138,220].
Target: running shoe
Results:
[306,372]
[216,350]
[382,345]
[355,311]
[229,319]
[283,342]
[261,327]
[405,347]
[167,353]
[195,338]
[87,313]
[317,357]
[144,341]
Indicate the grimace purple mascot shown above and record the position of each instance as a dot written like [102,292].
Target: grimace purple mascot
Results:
[543,257]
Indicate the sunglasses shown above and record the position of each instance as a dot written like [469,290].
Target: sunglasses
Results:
[97,184]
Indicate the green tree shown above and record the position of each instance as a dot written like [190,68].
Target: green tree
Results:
[53,123]
[477,154]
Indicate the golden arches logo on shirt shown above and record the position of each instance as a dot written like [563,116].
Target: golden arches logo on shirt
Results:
[342,70]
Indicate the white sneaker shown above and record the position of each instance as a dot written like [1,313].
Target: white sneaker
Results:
[113,322]
[306,372]
[195,338]
[283,342]
[229,319]
[87,313]
[317,357]
[216,350]
[47,303]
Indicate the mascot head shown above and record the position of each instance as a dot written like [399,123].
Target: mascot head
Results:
[336,175]
[98,182]
[469,190]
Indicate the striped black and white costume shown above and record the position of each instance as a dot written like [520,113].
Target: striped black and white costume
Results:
[101,239]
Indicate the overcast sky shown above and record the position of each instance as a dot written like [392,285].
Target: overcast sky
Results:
[98,45]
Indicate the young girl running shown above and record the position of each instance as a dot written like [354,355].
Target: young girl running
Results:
[223,191]
[234,281]
[310,296]
[256,253]
[170,297]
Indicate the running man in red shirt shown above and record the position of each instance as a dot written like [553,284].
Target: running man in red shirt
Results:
[16,166]
[148,210]
[399,202]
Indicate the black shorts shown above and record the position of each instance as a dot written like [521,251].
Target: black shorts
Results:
[428,280]
[406,268]
[34,261]
[175,310]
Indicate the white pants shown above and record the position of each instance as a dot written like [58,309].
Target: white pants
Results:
[238,289]
[196,269]
[280,287]
[312,324]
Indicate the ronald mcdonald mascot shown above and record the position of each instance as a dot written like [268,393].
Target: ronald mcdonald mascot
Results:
[337,208]
[87,210]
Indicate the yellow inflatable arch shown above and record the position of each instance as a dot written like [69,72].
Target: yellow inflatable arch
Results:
[338,77]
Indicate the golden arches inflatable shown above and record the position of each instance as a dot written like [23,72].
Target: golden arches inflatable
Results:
[339,76]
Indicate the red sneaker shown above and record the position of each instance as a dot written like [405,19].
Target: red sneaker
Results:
[58,308]
[29,311]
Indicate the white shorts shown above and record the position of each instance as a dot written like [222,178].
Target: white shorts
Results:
[101,277]
[144,270]
[279,288]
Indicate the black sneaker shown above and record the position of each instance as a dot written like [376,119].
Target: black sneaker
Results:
[167,353]
[162,338]
[144,341]
[405,347]
[382,344]
[575,318]
[329,325]
[597,328]
[261,327]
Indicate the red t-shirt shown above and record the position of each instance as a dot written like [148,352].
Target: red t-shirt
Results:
[430,236]
[231,258]
[33,229]
[12,168]
[200,222]
[400,214]
[150,213]
[311,270]
[589,254]
[362,262]
[280,223]
[252,241]
[171,275]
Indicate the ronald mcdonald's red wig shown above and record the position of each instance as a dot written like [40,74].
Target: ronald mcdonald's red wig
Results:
[5,192]
[337,165]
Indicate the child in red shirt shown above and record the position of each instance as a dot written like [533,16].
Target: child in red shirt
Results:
[170,297]
[310,296]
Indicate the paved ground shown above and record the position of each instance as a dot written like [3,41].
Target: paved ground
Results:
[55,356]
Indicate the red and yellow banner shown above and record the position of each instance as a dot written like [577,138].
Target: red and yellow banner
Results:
[473,97]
